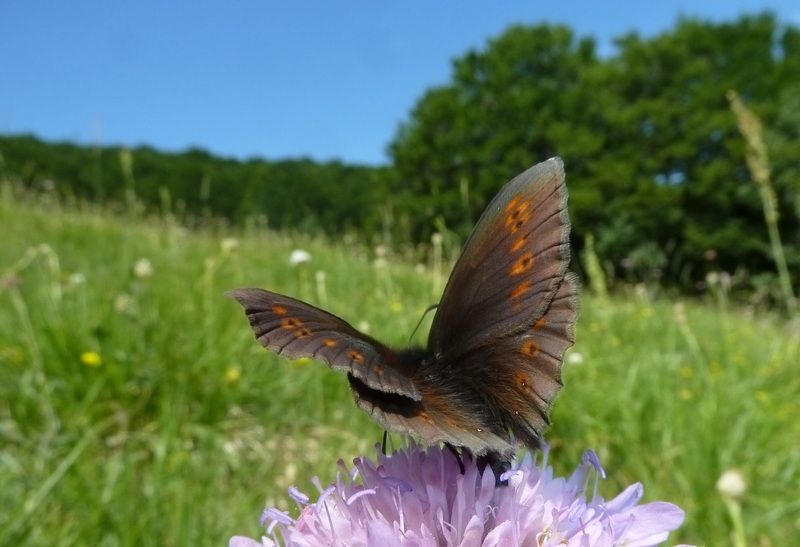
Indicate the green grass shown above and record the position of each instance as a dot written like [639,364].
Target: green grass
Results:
[187,427]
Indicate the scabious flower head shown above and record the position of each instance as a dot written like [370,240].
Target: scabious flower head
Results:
[421,498]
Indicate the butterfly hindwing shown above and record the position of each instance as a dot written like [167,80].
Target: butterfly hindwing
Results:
[441,415]
[295,329]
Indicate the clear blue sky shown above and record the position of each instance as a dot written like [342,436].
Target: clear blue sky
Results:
[271,79]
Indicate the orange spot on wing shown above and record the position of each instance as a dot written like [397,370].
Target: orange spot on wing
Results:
[378,370]
[540,323]
[518,217]
[520,242]
[330,342]
[523,382]
[291,323]
[277,309]
[520,289]
[355,356]
[530,348]
[523,264]
[302,333]
[511,204]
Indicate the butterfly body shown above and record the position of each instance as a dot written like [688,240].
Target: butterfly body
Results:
[492,364]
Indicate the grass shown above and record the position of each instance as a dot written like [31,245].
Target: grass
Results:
[136,407]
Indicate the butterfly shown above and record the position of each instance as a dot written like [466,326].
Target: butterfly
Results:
[492,364]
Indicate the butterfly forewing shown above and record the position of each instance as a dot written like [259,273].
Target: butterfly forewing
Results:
[295,329]
[511,266]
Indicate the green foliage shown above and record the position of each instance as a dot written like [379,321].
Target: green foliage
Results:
[196,186]
[510,106]
[137,408]
[651,149]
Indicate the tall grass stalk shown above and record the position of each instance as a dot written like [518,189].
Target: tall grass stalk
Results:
[594,270]
[758,164]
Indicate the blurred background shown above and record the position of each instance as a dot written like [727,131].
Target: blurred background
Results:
[154,155]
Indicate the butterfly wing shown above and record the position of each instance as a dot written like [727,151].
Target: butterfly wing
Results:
[511,267]
[508,385]
[295,329]
[438,417]
[507,313]
[525,368]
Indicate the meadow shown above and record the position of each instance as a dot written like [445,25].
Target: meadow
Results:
[136,407]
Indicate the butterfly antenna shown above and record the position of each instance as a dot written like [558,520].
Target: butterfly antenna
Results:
[428,309]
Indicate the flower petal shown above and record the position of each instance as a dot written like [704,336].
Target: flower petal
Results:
[652,522]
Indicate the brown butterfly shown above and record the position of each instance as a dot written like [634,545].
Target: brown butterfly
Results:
[492,365]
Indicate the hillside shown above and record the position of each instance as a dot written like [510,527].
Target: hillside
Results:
[138,409]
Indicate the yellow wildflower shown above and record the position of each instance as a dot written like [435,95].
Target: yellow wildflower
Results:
[233,374]
[91,359]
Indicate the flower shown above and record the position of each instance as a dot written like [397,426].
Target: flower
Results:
[422,498]
[233,374]
[76,279]
[732,484]
[575,358]
[299,256]
[123,303]
[142,268]
[91,359]
[229,244]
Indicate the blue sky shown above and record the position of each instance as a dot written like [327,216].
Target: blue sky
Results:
[270,79]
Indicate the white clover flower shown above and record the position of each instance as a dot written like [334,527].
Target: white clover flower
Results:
[228,245]
[732,484]
[142,268]
[299,256]
[123,303]
[575,358]
[76,279]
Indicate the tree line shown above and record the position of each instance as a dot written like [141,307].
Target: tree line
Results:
[656,166]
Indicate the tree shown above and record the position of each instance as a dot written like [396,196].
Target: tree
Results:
[518,102]
[655,164]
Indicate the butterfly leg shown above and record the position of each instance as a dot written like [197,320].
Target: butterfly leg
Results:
[457,454]
[497,463]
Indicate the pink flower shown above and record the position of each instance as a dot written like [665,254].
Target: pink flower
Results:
[417,497]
